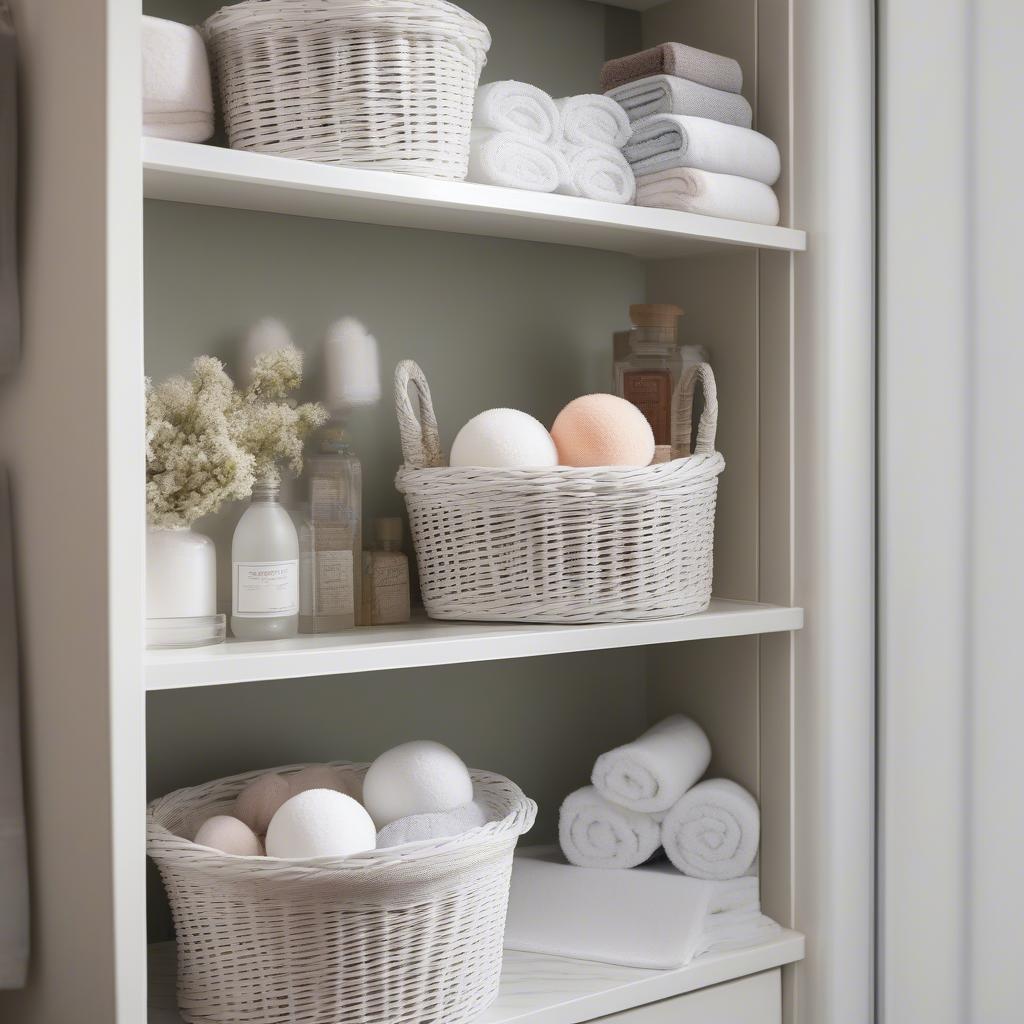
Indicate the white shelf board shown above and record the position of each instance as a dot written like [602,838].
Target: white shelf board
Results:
[187,172]
[538,989]
[427,642]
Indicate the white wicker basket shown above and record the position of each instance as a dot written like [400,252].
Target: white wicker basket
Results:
[385,84]
[402,936]
[561,545]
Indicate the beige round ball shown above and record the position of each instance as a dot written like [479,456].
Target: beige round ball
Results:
[229,835]
[325,776]
[603,430]
[260,800]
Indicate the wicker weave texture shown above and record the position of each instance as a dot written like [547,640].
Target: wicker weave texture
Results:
[402,936]
[560,545]
[384,84]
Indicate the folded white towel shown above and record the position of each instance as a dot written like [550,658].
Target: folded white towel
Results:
[651,918]
[598,172]
[653,772]
[594,833]
[515,161]
[666,94]
[593,119]
[177,100]
[713,832]
[666,141]
[713,195]
[440,825]
[517,107]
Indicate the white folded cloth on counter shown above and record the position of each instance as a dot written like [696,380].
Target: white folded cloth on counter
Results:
[713,832]
[598,172]
[177,99]
[594,833]
[665,141]
[652,918]
[515,161]
[713,195]
[517,107]
[654,771]
[438,825]
[666,94]
[593,119]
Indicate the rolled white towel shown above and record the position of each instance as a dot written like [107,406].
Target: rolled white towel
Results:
[665,141]
[441,825]
[713,195]
[515,161]
[517,107]
[177,99]
[713,832]
[594,833]
[593,119]
[666,94]
[598,172]
[653,772]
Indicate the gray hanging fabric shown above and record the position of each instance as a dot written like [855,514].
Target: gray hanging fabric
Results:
[13,857]
[10,318]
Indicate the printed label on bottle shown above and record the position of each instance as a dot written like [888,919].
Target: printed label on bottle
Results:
[651,392]
[265,589]
[333,586]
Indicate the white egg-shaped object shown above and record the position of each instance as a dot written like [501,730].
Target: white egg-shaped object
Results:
[229,835]
[504,439]
[320,823]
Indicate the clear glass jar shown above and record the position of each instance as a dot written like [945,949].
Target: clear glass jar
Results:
[265,569]
[647,374]
[386,577]
[333,546]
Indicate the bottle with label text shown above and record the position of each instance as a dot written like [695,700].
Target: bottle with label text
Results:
[265,569]
[386,577]
[332,541]
[648,372]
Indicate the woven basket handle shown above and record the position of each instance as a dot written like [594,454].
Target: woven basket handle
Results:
[421,445]
[682,410]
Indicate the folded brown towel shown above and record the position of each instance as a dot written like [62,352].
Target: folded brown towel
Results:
[676,59]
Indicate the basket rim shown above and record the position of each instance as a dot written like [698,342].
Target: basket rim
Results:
[162,843]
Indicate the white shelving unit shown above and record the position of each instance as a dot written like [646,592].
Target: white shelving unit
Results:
[187,173]
[539,989]
[140,254]
[425,642]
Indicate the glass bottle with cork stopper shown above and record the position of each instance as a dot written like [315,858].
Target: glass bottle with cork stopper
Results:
[647,374]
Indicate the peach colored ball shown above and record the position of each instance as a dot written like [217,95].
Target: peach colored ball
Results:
[260,800]
[325,776]
[603,430]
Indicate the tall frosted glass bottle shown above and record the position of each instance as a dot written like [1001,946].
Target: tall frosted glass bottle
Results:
[333,548]
[265,569]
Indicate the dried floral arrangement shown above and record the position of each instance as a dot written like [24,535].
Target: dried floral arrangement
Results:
[207,442]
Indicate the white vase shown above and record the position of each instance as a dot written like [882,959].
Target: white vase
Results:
[181,574]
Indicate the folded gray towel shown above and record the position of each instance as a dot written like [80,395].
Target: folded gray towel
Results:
[675,59]
[10,325]
[664,94]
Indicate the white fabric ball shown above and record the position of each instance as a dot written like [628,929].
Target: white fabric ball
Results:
[421,777]
[320,823]
[260,800]
[504,439]
[229,835]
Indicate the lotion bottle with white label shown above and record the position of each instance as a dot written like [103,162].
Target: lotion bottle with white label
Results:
[265,570]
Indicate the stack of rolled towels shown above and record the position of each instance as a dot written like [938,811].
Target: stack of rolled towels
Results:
[177,99]
[646,795]
[523,138]
[692,146]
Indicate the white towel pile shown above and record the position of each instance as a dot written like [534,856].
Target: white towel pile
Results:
[524,139]
[692,147]
[647,795]
[177,100]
